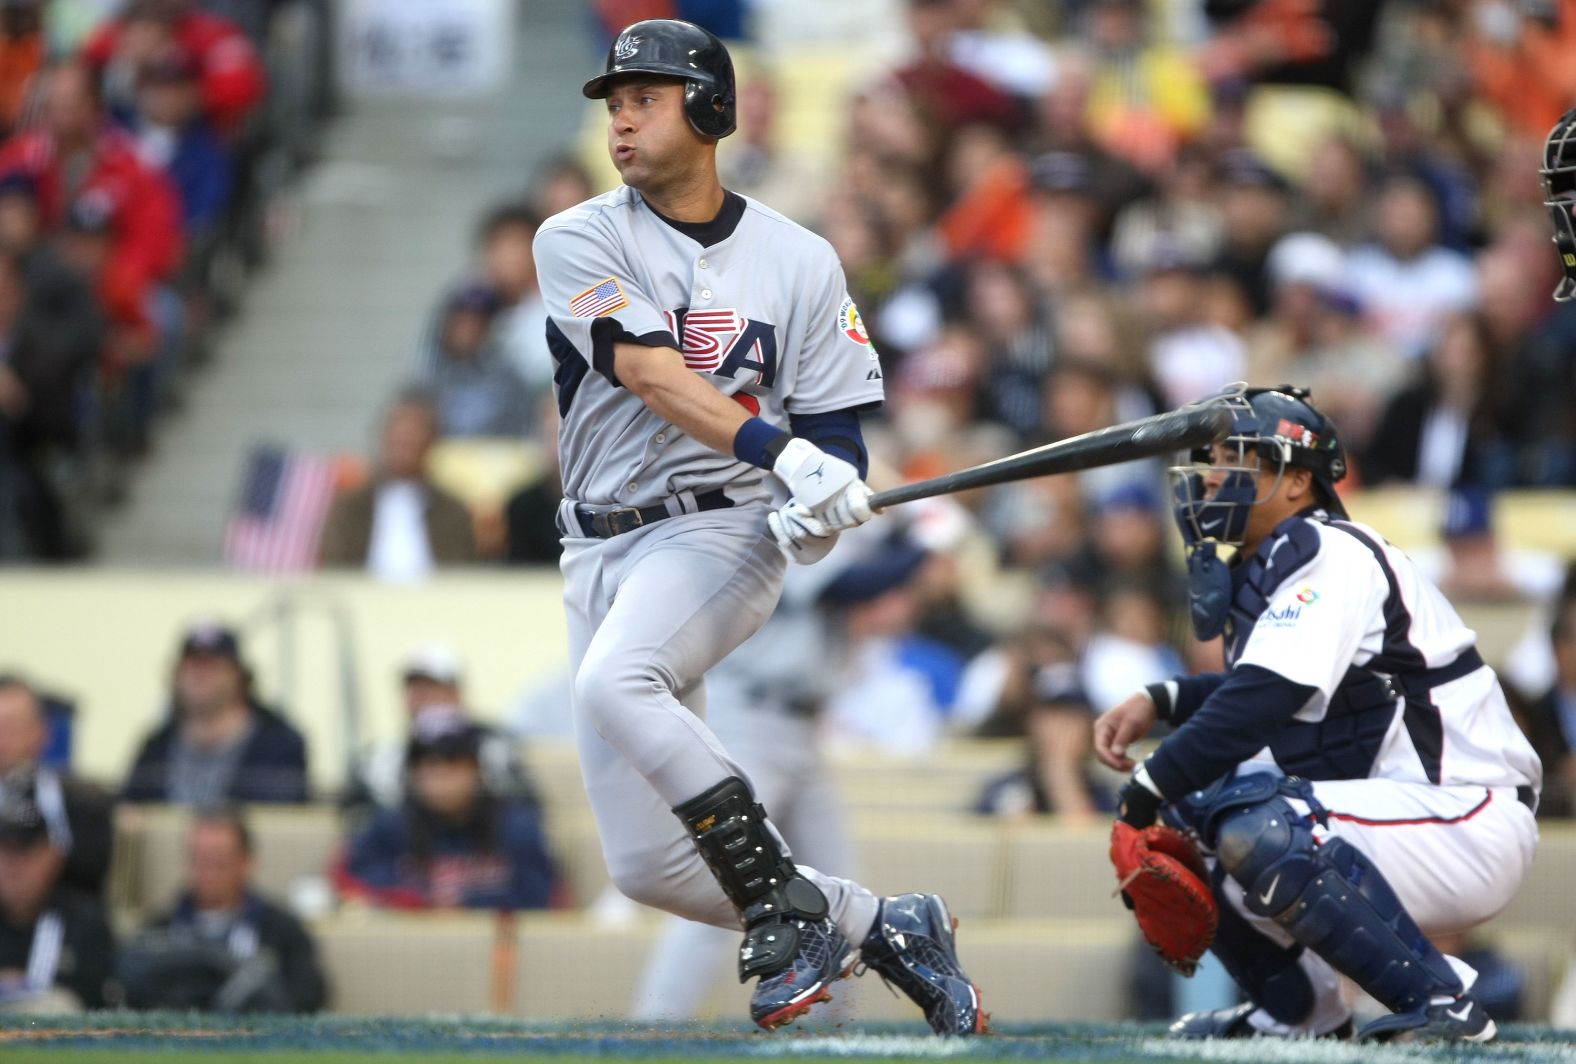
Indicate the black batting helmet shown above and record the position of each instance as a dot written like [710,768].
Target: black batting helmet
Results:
[1559,196]
[676,49]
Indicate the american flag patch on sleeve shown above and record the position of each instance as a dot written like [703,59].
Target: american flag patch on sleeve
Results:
[604,298]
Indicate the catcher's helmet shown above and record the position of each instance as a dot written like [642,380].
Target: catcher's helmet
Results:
[676,49]
[1278,425]
[1559,196]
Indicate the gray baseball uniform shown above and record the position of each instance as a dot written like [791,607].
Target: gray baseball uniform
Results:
[759,305]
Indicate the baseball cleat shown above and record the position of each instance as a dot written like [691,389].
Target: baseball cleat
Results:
[1461,1020]
[1233,1023]
[822,958]
[913,947]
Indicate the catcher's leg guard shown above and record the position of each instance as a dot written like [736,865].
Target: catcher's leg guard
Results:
[790,941]
[1333,900]
[1267,971]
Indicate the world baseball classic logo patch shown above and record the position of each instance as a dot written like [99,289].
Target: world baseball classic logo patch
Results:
[599,300]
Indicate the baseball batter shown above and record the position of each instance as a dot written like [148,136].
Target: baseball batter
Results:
[1354,774]
[688,324]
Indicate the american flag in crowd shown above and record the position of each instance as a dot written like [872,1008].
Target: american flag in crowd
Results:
[284,504]
[605,298]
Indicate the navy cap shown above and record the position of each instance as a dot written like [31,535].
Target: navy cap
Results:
[18,183]
[890,568]
[443,733]
[477,298]
[212,639]
[1243,168]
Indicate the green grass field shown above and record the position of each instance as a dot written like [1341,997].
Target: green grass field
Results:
[168,1038]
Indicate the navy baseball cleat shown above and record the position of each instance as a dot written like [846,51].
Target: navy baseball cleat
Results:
[912,946]
[1233,1023]
[1461,1020]
[822,957]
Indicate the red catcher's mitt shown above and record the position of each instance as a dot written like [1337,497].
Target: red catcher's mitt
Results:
[1163,880]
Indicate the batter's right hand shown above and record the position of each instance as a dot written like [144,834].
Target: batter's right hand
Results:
[803,538]
[1121,726]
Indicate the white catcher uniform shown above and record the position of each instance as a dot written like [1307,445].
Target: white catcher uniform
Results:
[1429,776]
[759,306]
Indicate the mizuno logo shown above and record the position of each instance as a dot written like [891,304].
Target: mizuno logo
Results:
[817,471]
[1264,899]
[1466,1010]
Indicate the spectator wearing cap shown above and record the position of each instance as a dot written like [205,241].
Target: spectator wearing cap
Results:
[898,688]
[1254,203]
[175,137]
[1314,335]
[453,843]
[231,74]
[78,817]
[432,685]
[221,946]
[1043,701]
[219,743]
[477,391]
[400,526]
[56,950]
[1406,281]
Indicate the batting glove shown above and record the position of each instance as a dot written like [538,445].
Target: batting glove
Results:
[828,487]
[803,538]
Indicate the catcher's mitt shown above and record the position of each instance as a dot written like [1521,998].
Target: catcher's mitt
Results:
[1163,880]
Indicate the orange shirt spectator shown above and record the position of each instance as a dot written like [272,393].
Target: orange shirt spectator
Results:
[22,50]
[1529,74]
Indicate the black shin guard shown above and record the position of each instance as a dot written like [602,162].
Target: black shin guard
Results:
[754,871]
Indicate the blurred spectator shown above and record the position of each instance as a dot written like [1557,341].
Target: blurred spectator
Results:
[1406,282]
[78,817]
[477,392]
[22,53]
[1006,316]
[1334,199]
[222,946]
[432,685]
[531,514]
[1189,355]
[1444,430]
[1182,214]
[1519,56]
[453,842]
[1551,719]
[174,136]
[945,94]
[219,742]
[1253,208]
[400,525]
[898,687]
[1148,97]
[56,950]
[1314,336]
[754,163]
[560,183]
[1130,646]
[231,73]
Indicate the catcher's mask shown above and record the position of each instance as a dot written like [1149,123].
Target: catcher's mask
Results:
[1559,196]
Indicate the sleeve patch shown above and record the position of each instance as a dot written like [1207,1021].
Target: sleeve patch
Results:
[600,300]
[851,324]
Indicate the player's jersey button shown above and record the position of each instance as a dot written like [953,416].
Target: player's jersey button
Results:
[705,265]
[705,293]
[661,437]
[631,487]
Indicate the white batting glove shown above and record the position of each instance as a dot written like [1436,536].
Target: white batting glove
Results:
[802,538]
[828,487]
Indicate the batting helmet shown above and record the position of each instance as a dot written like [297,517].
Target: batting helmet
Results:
[1559,196]
[1277,425]
[676,49]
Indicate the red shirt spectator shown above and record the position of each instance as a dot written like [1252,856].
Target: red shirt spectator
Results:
[232,75]
[75,157]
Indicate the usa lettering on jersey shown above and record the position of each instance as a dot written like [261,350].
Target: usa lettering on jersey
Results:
[723,341]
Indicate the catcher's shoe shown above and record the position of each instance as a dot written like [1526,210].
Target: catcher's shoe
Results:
[1233,1023]
[822,957]
[1461,1020]
[912,946]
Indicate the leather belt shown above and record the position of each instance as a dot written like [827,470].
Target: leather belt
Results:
[1527,797]
[610,523]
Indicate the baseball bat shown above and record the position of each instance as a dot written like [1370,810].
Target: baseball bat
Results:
[1175,430]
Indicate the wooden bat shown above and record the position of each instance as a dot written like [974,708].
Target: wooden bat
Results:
[1175,430]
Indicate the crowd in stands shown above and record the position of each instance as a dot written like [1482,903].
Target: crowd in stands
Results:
[137,165]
